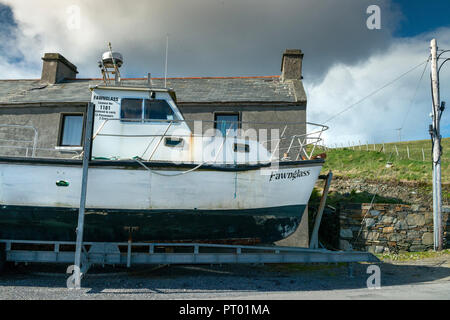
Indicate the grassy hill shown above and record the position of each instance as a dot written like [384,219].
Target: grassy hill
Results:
[363,162]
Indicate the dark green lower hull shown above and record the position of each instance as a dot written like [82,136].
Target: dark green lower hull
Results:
[105,225]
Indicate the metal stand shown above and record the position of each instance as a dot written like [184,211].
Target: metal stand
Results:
[128,254]
[2,257]
[86,159]
[314,244]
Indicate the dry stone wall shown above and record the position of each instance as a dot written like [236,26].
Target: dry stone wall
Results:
[388,227]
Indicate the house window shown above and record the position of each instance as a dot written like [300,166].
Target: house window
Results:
[71,133]
[145,109]
[227,123]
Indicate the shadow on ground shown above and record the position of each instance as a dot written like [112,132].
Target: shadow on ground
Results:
[182,279]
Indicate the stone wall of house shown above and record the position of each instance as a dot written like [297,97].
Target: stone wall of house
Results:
[388,227]
[46,119]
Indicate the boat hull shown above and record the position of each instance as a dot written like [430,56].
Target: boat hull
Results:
[39,200]
[105,225]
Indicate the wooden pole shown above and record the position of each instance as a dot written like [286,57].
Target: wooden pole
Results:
[437,192]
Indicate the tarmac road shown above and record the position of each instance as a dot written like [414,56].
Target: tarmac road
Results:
[425,279]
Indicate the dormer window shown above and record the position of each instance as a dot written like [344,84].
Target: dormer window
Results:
[145,109]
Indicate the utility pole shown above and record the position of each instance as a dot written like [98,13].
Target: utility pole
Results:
[399,134]
[436,137]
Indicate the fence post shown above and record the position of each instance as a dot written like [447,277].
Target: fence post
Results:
[396,150]
[407,150]
[383,148]
[423,155]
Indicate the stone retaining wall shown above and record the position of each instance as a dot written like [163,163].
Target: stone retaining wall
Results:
[388,227]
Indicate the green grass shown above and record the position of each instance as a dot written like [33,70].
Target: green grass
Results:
[335,199]
[357,162]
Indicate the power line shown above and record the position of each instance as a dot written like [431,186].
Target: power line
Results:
[375,92]
[415,94]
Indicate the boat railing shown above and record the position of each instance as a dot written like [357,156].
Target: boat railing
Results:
[286,141]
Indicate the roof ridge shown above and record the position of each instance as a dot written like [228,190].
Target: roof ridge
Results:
[20,79]
[160,78]
[187,78]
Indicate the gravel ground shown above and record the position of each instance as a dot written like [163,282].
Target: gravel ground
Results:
[424,279]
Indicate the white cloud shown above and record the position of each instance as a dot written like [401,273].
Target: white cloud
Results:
[207,37]
[376,118]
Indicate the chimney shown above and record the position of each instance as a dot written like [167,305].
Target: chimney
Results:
[291,65]
[56,68]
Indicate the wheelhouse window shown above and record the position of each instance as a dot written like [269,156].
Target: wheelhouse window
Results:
[71,133]
[146,109]
[131,109]
[227,123]
[157,110]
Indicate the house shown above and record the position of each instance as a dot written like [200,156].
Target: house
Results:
[44,117]
[58,100]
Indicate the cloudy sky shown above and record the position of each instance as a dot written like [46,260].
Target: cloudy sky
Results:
[344,63]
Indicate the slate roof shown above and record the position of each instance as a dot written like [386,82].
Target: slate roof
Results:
[188,90]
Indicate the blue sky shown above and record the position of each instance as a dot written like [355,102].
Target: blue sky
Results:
[425,16]
[422,16]
[6,15]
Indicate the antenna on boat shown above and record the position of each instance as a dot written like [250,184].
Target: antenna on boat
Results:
[149,80]
[167,50]
[110,64]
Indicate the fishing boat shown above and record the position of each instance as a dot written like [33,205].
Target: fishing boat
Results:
[154,176]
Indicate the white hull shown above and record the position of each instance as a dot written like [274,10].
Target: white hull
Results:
[141,189]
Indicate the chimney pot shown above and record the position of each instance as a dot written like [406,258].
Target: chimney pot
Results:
[291,65]
[56,68]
